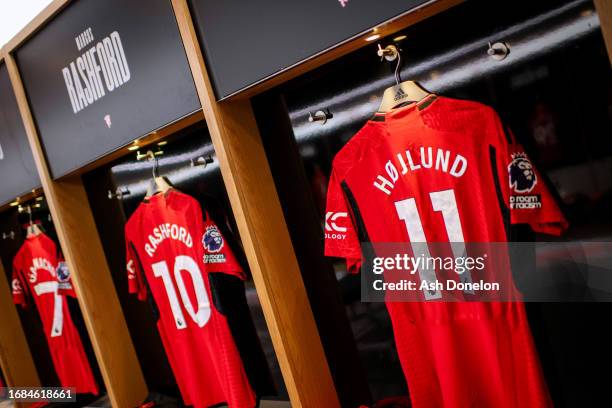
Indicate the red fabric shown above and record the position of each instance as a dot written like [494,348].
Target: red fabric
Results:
[172,248]
[34,277]
[453,354]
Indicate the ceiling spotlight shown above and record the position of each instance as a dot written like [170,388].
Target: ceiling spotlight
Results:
[373,37]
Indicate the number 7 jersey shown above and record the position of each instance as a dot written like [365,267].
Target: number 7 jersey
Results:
[35,278]
[445,170]
[171,249]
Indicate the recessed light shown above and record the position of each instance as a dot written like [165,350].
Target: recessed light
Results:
[399,38]
[163,143]
[373,37]
[132,148]
[14,204]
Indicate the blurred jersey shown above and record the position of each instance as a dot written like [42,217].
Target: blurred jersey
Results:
[40,275]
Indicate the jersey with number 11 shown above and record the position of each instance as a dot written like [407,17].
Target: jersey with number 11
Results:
[445,171]
[171,248]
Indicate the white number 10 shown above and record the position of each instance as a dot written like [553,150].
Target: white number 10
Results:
[444,202]
[185,263]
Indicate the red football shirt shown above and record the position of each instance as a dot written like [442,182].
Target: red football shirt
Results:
[35,276]
[445,170]
[171,249]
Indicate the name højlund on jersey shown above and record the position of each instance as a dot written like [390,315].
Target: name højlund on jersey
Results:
[103,67]
[425,158]
[167,231]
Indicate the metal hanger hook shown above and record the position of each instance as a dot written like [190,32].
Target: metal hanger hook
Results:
[30,214]
[155,166]
[398,65]
[392,53]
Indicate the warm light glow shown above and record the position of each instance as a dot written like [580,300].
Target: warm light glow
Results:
[132,148]
[399,38]
[40,198]
[14,203]
[373,37]
[163,143]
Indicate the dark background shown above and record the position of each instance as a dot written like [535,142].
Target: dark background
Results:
[17,168]
[161,89]
[247,41]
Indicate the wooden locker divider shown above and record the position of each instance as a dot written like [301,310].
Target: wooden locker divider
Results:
[15,359]
[91,277]
[265,236]
[604,11]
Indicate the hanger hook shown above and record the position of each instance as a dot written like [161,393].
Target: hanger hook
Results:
[155,166]
[30,214]
[398,79]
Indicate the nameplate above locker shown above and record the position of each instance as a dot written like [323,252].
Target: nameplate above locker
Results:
[103,73]
[17,168]
[246,42]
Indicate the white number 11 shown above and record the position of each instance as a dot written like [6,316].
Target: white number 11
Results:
[444,202]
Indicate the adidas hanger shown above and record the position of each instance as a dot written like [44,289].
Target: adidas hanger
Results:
[401,92]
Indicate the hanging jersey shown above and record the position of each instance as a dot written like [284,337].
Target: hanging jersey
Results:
[445,170]
[171,249]
[35,279]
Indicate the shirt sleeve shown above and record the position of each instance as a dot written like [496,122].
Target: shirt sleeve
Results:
[134,270]
[218,255]
[525,193]
[18,285]
[340,232]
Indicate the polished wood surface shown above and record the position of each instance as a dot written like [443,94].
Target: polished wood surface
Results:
[15,358]
[84,255]
[604,10]
[266,240]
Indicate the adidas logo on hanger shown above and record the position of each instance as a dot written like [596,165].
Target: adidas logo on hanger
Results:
[400,94]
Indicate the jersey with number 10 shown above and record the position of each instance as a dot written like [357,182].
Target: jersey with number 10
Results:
[171,248]
[445,170]
[35,277]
